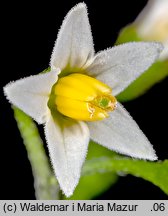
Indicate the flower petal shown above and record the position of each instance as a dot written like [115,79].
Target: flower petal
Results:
[121,133]
[67,142]
[119,66]
[31,94]
[74,44]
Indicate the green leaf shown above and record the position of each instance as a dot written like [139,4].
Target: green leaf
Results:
[155,172]
[157,72]
[93,184]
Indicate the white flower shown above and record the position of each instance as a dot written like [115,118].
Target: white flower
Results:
[152,23]
[42,97]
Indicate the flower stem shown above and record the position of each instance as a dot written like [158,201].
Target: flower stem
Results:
[45,183]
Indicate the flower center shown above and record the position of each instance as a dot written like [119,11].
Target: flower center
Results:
[81,97]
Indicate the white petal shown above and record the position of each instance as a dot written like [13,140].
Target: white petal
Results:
[121,133]
[119,66]
[67,142]
[74,44]
[31,94]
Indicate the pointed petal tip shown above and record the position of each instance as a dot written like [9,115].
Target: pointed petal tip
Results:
[68,184]
[147,153]
[78,8]
[80,5]
[159,46]
[150,153]
[147,156]
[9,92]
[31,94]
[68,191]
[68,194]
[6,89]
[120,133]
[72,47]
[150,157]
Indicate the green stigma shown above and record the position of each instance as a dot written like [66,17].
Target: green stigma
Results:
[106,102]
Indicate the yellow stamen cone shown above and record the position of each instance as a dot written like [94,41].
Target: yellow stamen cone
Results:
[81,97]
[79,110]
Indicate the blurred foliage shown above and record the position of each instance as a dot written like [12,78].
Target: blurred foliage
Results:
[102,167]
[128,34]
[155,172]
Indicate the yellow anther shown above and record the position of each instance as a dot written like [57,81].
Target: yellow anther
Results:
[81,97]
[79,110]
